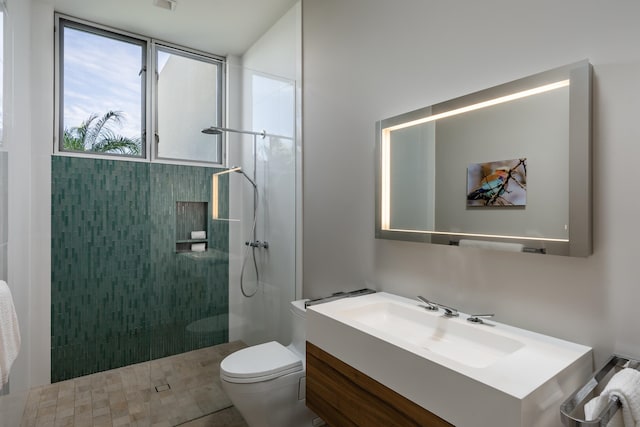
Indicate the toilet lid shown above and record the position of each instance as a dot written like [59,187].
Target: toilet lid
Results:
[259,363]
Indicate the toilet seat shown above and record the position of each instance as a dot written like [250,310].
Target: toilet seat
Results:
[258,363]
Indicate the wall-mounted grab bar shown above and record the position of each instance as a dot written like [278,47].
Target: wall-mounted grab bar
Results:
[572,407]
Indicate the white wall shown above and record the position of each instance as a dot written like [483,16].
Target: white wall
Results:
[28,127]
[4,211]
[365,60]
[41,143]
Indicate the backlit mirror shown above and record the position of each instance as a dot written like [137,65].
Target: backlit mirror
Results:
[505,168]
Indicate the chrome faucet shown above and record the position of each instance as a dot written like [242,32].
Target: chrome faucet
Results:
[432,305]
[477,318]
[449,311]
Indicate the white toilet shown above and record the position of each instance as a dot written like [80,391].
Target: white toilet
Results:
[266,382]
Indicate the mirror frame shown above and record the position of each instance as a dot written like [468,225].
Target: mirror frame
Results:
[580,232]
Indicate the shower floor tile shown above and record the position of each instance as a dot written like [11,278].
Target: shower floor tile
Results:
[183,389]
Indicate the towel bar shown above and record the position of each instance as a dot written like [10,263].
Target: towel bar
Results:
[580,397]
[524,249]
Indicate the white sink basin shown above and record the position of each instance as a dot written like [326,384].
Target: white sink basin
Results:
[464,343]
[469,374]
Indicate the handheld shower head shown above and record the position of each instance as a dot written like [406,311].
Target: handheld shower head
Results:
[239,170]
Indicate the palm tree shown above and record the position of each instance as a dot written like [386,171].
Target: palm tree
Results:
[94,134]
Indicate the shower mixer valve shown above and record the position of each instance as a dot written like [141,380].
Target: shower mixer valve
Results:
[257,244]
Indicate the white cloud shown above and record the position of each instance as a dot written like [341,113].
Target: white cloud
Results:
[102,74]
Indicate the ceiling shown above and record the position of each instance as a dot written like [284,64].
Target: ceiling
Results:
[222,27]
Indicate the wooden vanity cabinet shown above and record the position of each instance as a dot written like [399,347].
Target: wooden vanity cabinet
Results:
[345,397]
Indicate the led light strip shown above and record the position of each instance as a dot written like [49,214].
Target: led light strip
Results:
[483,104]
[454,233]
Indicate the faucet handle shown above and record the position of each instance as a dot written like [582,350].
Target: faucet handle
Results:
[430,305]
[450,311]
[477,318]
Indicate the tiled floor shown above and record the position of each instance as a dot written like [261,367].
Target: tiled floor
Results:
[226,417]
[178,390]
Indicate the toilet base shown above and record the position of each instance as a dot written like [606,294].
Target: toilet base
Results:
[274,403]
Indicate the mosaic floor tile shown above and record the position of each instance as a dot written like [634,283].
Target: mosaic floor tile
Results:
[191,395]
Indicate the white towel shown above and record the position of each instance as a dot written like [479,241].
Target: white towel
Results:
[198,247]
[626,386]
[199,234]
[594,407]
[9,333]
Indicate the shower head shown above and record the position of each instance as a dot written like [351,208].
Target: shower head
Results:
[212,131]
[216,130]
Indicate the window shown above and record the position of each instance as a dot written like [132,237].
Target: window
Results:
[106,102]
[102,88]
[187,91]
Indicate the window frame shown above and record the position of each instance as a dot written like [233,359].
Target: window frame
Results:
[64,21]
[149,91]
[157,45]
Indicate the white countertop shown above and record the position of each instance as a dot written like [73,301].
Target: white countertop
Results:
[414,351]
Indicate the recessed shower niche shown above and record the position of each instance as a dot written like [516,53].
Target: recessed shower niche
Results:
[191,226]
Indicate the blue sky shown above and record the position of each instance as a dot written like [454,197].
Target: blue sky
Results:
[102,74]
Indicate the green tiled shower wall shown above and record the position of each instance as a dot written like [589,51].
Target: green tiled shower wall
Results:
[120,294]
